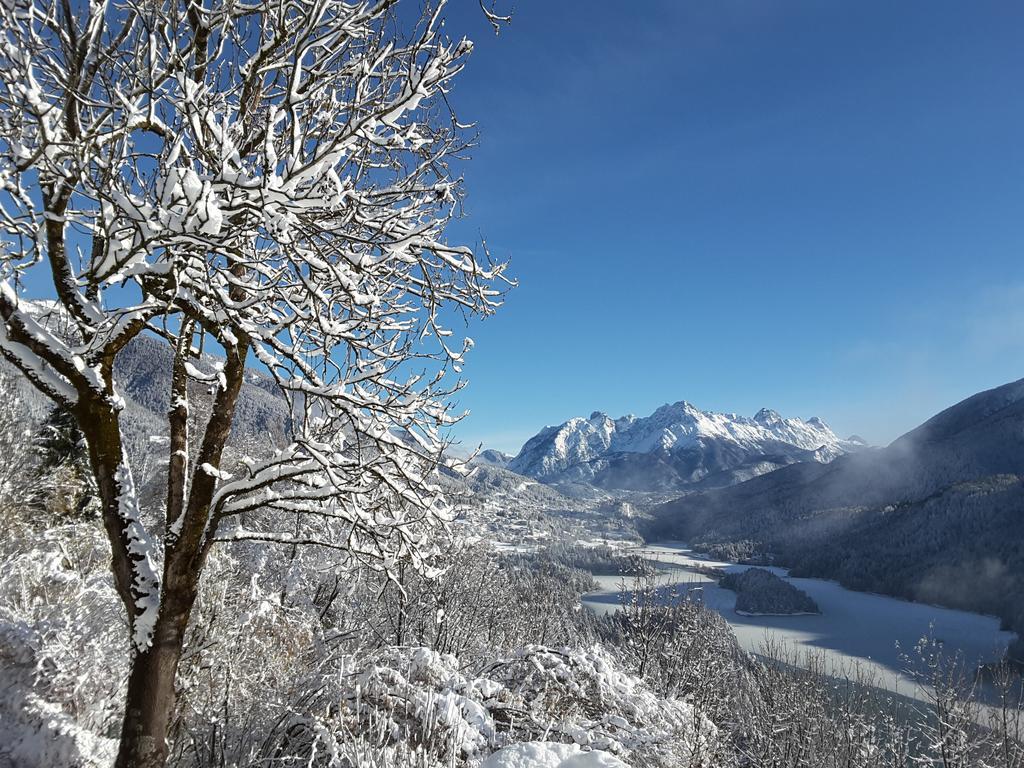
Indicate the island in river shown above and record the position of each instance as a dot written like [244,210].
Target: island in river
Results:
[871,631]
[763,593]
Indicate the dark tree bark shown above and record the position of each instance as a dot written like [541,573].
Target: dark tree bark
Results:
[209,267]
[151,696]
[150,699]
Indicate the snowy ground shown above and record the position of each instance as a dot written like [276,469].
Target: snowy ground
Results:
[539,754]
[873,631]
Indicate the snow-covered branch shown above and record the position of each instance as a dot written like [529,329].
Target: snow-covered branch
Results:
[272,182]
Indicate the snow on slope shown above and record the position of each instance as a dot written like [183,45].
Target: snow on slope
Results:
[491,458]
[599,448]
[540,754]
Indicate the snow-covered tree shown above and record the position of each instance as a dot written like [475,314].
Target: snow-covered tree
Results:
[13,436]
[63,479]
[269,179]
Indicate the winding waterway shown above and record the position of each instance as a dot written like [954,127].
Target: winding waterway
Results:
[873,631]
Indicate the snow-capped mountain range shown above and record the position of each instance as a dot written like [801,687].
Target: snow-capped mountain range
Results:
[676,446]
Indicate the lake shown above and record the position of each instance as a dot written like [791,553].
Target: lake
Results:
[872,630]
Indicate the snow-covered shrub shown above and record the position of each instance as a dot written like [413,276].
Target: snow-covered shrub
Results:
[544,754]
[474,608]
[62,641]
[304,656]
[14,433]
[586,697]
[422,701]
[421,698]
[806,712]
[274,672]
[257,659]
[681,647]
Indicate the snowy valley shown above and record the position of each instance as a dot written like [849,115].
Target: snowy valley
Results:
[248,316]
[520,547]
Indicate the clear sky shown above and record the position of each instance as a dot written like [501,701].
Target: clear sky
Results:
[808,205]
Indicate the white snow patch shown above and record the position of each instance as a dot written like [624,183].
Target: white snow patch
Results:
[142,551]
[543,754]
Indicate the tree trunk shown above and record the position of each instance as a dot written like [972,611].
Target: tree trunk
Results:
[151,696]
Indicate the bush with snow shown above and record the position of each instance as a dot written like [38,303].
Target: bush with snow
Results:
[292,659]
[542,754]
[586,697]
[61,631]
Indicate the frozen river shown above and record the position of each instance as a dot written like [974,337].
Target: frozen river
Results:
[872,630]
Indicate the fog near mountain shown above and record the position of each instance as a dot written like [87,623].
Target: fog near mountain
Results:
[676,447]
[936,516]
[514,584]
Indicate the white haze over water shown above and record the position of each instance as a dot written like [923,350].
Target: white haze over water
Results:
[872,630]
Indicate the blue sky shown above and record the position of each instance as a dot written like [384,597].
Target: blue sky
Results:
[808,205]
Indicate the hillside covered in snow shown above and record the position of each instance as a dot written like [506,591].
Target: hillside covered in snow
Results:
[935,516]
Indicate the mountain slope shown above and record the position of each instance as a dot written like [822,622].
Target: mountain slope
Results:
[676,446]
[491,458]
[937,516]
[143,371]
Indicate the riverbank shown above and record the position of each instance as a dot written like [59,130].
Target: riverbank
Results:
[875,632]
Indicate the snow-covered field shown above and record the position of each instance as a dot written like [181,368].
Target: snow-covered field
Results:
[537,754]
[874,631]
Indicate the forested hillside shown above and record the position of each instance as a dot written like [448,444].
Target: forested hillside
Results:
[301,656]
[937,516]
[253,516]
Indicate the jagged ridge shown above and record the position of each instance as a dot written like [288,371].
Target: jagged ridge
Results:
[676,446]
